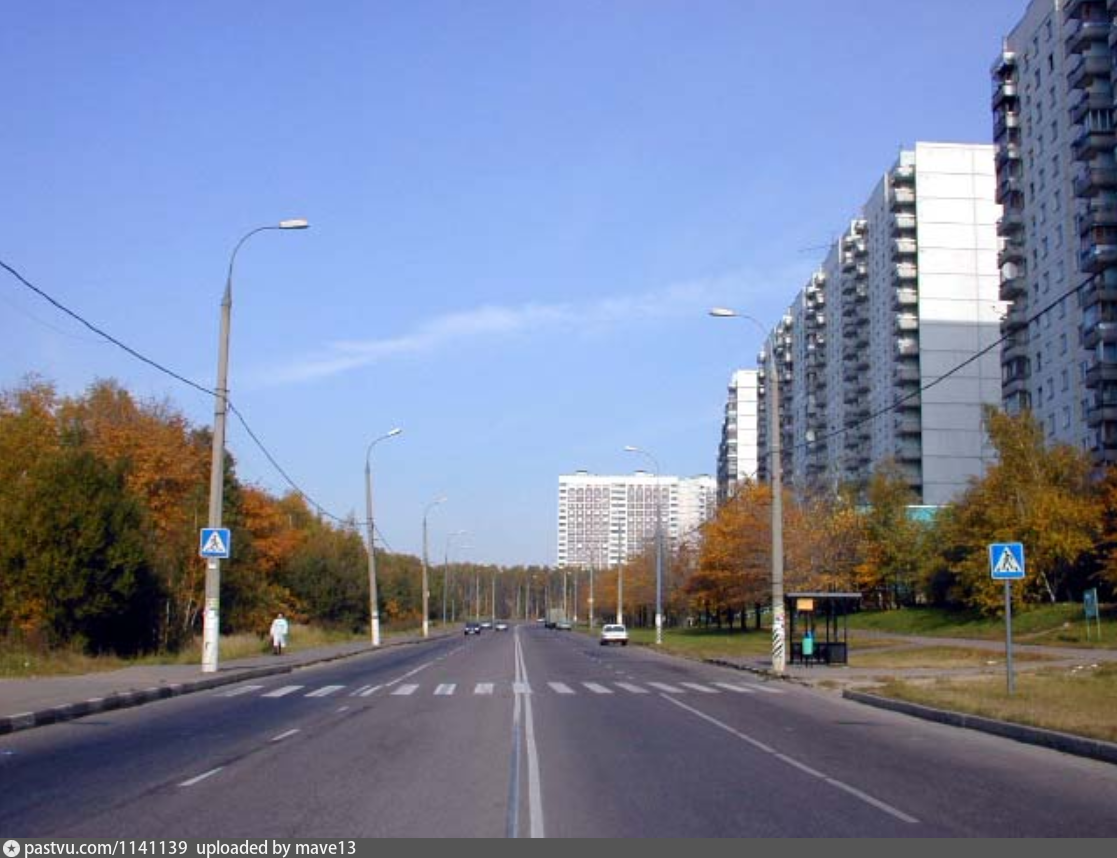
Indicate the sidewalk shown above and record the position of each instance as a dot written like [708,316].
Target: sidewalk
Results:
[27,703]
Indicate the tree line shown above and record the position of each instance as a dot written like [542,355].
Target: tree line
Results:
[101,501]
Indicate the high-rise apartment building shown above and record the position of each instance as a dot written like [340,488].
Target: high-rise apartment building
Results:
[907,294]
[1053,125]
[604,520]
[737,453]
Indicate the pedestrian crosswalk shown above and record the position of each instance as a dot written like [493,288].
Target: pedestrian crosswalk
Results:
[600,688]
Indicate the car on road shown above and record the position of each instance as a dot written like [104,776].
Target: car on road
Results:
[486,624]
[473,628]
[564,625]
[501,626]
[614,633]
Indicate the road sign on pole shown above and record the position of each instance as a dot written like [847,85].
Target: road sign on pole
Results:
[1006,563]
[215,542]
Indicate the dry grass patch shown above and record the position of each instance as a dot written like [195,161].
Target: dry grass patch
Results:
[944,657]
[1075,700]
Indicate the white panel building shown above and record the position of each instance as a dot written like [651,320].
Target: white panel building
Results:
[737,453]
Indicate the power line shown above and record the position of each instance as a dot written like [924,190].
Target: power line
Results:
[181,378]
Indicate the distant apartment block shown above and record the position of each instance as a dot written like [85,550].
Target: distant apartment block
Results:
[604,520]
[907,294]
[1053,125]
[737,453]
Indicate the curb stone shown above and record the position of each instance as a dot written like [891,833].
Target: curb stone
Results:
[128,699]
[1080,746]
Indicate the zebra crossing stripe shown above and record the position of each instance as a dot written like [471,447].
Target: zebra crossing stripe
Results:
[740,689]
[561,688]
[663,686]
[405,690]
[697,687]
[360,691]
[632,689]
[283,692]
[484,688]
[371,691]
[325,691]
[596,688]
[445,690]
[237,692]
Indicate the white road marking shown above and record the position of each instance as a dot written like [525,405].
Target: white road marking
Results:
[325,691]
[360,690]
[409,673]
[561,688]
[286,735]
[663,686]
[405,690]
[283,692]
[521,688]
[245,689]
[535,789]
[766,689]
[740,689]
[201,777]
[596,688]
[803,767]
[371,691]
[445,690]
[483,688]
[696,687]
[342,708]
[632,689]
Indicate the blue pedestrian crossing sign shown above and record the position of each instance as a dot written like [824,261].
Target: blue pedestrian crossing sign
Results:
[1006,561]
[216,542]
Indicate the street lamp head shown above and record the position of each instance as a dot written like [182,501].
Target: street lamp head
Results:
[394,433]
[294,223]
[723,313]
[628,448]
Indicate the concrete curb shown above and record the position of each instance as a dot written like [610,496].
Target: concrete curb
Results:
[128,699]
[757,671]
[1077,745]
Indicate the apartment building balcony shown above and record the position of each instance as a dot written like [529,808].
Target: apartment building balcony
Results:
[1008,186]
[1013,287]
[1099,414]
[1097,99]
[903,176]
[1005,123]
[903,223]
[906,372]
[905,247]
[1012,253]
[1084,69]
[1011,223]
[905,272]
[1016,348]
[1004,66]
[1077,8]
[907,323]
[1009,153]
[908,424]
[1101,372]
[1100,332]
[1097,214]
[1081,34]
[1097,257]
[907,346]
[1091,181]
[1016,320]
[909,451]
[902,198]
[1005,93]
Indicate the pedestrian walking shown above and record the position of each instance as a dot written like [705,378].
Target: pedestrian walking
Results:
[278,633]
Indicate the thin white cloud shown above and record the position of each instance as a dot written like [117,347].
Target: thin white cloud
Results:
[489,322]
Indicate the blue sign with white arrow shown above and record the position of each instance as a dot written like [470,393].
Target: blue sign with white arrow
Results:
[216,542]
[1006,561]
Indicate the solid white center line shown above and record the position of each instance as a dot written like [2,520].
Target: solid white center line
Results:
[632,689]
[561,688]
[663,686]
[740,689]
[483,688]
[325,691]
[596,688]
[445,690]
[284,691]
[803,767]
[245,689]
[521,688]
[697,687]
[405,690]
[283,736]
[201,777]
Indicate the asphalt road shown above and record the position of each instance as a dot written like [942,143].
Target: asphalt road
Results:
[533,733]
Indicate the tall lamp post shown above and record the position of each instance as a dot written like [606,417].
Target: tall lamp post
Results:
[775,444]
[446,568]
[658,544]
[211,617]
[373,603]
[426,588]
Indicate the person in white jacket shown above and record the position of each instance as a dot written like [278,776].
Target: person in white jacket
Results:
[278,634]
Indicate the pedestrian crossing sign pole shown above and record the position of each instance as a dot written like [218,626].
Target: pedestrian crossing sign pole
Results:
[1006,563]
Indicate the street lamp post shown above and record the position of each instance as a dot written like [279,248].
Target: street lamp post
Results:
[373,603]
[779,651]
[446,568]
[658,544]
[426,588]
[211,617]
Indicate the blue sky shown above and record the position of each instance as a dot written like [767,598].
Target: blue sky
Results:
[520,212]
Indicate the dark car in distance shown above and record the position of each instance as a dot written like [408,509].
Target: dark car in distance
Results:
[472,628]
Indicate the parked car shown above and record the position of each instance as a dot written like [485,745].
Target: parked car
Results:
[501,626]
[564,625]
[472,628]
[614,633]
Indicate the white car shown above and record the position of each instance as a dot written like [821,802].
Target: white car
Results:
[614,633]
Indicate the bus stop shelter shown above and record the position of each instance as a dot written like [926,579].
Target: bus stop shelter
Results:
[826,617]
